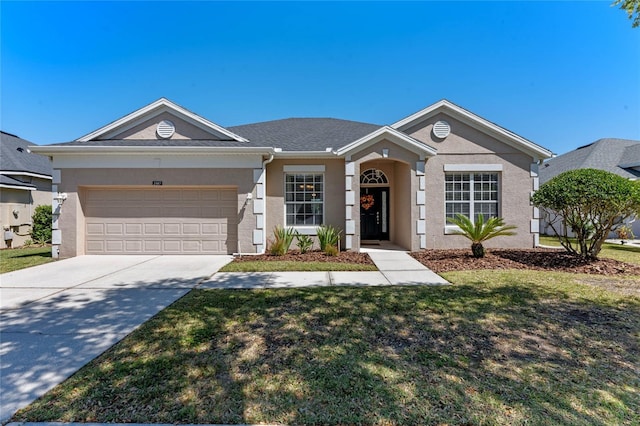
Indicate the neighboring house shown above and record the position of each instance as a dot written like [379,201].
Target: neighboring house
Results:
[619,156]
[165,180]
[25,183]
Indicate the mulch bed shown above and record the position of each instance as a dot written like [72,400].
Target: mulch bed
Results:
[462,260]
[533,259]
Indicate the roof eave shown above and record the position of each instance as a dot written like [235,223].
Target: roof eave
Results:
[24,173]
[304,154]
[477,122]
[395,136]
[20,187]
[90,150]
[158,105]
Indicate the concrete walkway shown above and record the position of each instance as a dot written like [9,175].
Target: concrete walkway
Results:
[54,318]
[395,266]
[57,317]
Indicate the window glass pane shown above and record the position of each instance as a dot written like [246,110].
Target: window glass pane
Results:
[459,197]
[303,199]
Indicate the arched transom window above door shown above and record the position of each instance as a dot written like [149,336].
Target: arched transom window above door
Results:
[373,177]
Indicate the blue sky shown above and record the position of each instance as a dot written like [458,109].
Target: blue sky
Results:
[561,74]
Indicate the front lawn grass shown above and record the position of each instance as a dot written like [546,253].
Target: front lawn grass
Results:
[287,265]
[20,258]
[497,347]
[619,252]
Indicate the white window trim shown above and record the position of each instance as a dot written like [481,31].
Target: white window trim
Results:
[314,169]
[473,167]
[451,229]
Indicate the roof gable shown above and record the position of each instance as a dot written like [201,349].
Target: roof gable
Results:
[474,121]
[162,106]
[392,135]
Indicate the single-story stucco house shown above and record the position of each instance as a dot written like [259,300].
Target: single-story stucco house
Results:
[165,180]
[618,156]
[25,183]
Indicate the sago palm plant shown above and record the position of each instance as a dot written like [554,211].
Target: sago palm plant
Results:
[480,231]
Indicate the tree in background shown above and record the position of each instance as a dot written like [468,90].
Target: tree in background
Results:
[41,229]
[632,7]
[589,203]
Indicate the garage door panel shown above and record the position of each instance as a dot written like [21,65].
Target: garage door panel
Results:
[133,246]
[191,246]
[212,195]
[152,196]
[133,228]
[114,229]
[114,246]
[161,221]
[191,229]
[152,229]
[172,229]
[95,228]
[228,196]
[171,246]
[95,246]
[212,229]
[152,246]
[190,196]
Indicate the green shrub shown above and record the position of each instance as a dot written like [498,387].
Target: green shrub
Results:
[305,242]
[331,250]
[590,203]
[328,236]
[480,231]
[42,222]
[283,237]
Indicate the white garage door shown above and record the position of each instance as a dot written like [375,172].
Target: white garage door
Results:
[161,221]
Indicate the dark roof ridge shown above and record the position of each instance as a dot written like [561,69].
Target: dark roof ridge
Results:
[302,118]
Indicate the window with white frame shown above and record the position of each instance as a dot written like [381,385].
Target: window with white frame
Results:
[304,199]
[470,194]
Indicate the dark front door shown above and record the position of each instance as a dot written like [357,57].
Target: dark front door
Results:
[374,213]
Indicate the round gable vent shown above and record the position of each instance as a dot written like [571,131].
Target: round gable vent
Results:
[441,129]
[165,129]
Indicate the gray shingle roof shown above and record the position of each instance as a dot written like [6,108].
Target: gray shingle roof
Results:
[304,134]
[15,156]
[290,134]
[159,142]
[604,154]
[9,181]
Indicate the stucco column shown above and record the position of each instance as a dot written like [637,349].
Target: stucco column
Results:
[421,229]
[259,236]
[56,233]
[535,222]
[350,201]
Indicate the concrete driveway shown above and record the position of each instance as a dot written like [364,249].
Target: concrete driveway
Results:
[55,318]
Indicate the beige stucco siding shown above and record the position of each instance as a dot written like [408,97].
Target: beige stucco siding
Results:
[24,203]
[147,129]
[334,210]
[463,139]
[75,181]
[466,145]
